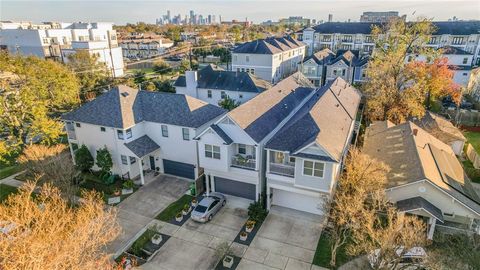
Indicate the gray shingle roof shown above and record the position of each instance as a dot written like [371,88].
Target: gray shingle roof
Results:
[321,57]
[122,107]
[270,45]
[212,77]
[420,203]
[222,134]
[142,146]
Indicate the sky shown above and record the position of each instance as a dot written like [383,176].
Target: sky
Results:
[123,11]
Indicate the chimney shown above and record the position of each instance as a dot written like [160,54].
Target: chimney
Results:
[191,82]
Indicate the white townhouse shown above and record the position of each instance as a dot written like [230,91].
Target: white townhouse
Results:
[144,46]
[463,35]
[459,62]
[142,130]
[271,59]
[425,179]
[243,153]
[58,40]
[212,84]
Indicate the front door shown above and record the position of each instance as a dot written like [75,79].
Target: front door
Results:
[152,163]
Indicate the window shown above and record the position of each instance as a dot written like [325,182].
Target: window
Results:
[334,72]
[164,131]
[240,96]
[464,74]
[120,134]
[223,94]
[102,129]
[78,125]
[343,72]
[291,159]
[212,151]
[209,93]
[74,147]
[124,160]
[242,148]
[465,60]
[238,69]
[186,134]
[247,58]
[312,168]
[129,133]
[133,160]
[458,40]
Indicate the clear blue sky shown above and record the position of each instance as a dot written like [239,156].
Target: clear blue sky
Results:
[121,12]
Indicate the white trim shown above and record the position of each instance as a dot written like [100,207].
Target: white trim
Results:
[319,146]
[313,168]
[421,208]
[297,190]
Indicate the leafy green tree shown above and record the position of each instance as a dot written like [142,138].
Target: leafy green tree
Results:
[184,66]
[90,73]
[224,54]
[83,158]
[104,160]
[162,68]
[164,86]
[228,103]
[34,92]
[139,77]
[149,86]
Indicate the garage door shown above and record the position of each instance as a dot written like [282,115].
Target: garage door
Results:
[235,188]
[179,169]
[297,201]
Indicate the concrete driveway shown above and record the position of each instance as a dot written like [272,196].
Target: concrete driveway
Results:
[135,212]
[193,245]
[286,240]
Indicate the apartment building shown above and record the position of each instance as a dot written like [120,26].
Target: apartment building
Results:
[271,59]
[380,16]
[463,35]
[144,45]
[58,40]
[287,143]
[212,84]
[142,130]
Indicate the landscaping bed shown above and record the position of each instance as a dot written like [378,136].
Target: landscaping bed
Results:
[169,213]
[145,247]
[250,235]
[6,190]
[472,173]
[93,181]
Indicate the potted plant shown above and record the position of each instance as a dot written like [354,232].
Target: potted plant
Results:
[117,192]
[157,239]
[194,202]
[249,226]
[243,236]
[228,261]
[179,217]
[186,209]
[128,186]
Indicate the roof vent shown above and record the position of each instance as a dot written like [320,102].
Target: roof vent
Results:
[124,94]
[415,131]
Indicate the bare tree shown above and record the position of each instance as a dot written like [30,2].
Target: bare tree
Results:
[46,232]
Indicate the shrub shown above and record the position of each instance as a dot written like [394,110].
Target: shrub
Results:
[104,160]
[83,159]
[129,184]
[257,212]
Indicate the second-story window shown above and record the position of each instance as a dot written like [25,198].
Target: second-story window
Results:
[212,151]
[124,160]
[102,129]
[78,125]
[129,133]
[164,131]
[465,60]
[120,134]
[247,58]
[312,168]
[186,134]
[209,93]
[133,160]
[457,40]
[242,148]
[223,94]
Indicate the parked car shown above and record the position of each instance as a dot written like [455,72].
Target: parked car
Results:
[208,207]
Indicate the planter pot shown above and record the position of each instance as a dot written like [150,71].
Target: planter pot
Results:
[127,191]
[186,212]
[194,204]
[179,219]
[243,237]
[228,261]
[157,239]
[249,229]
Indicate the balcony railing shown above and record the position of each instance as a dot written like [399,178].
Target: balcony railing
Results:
[242,162]
[282,169]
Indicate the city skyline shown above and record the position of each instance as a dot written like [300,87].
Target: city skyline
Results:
[121,12]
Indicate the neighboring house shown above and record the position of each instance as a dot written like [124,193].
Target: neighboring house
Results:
[425,179]
[58,40]
[343,66]
[443,130]
[212,84]
[359,73]
[459,62]
[271,59]
[464,35]
[142,130]
[314,67]
[144,45]
[232,151]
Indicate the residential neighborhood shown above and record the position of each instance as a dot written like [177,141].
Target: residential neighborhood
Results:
[309,136]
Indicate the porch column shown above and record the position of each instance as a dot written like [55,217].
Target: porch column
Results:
[268,198]
[207,183]
[432,222]
[142,178]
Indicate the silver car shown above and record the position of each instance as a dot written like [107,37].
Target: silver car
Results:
[208,207]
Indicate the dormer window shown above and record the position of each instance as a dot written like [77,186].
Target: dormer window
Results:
[120,134]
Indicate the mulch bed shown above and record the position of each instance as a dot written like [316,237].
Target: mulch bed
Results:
[251,235]
[236,261]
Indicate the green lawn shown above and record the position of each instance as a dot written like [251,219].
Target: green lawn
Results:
[6,190]
[10,170]
[140,243]
[322,254]
[174,208]
[473,174]
[474,139]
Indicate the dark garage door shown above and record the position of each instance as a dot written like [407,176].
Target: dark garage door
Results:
[179,169]
[235,188]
